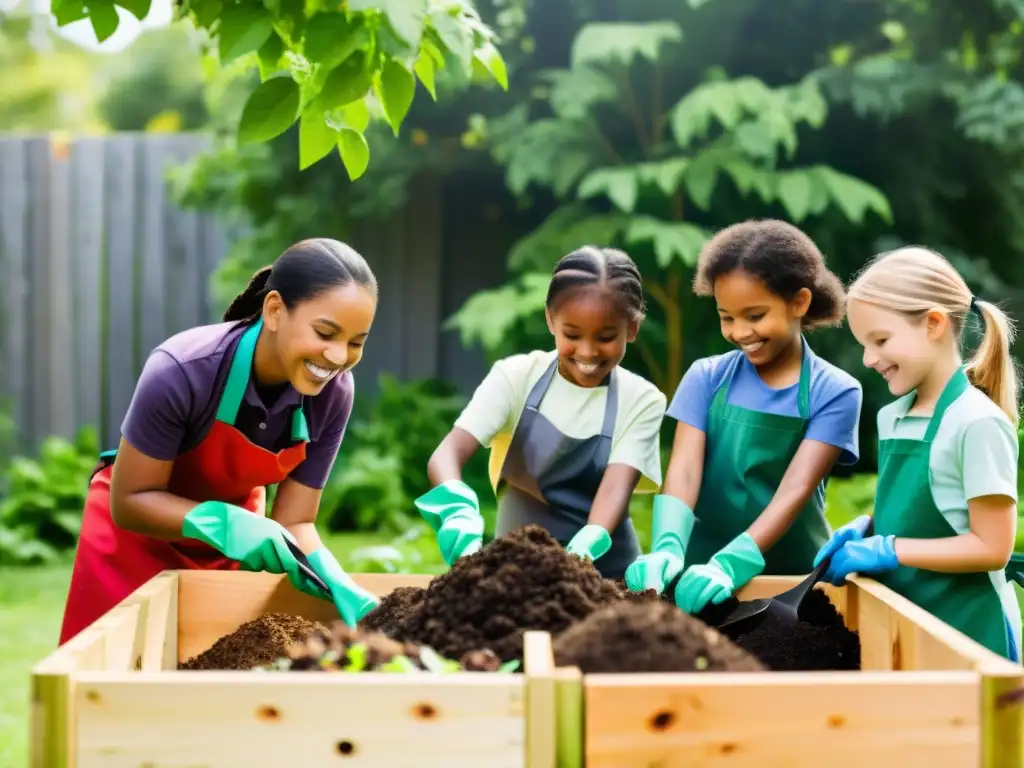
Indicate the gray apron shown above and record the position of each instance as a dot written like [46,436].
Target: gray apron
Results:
[551,479]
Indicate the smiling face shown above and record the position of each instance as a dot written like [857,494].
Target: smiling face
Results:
[761,323]
[322,337]
[902,348]
[591,332]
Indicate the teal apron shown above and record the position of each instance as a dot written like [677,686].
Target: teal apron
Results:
[977,604]
[747,453]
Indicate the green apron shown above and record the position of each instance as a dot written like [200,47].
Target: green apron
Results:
[973,603]
[746,455]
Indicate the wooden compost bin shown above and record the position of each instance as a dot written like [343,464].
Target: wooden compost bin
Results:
[926,695]
[112,697]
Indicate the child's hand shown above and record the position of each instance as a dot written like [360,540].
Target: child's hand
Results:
[875,554]
[852,531]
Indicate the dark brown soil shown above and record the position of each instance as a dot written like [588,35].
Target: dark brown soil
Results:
[648,636]
[819,641]
[521,581]
[255,643]
[393,611]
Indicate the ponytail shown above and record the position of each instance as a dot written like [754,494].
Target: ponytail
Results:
[248,304]
[992,368]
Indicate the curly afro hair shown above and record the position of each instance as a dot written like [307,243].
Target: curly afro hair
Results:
[783,258]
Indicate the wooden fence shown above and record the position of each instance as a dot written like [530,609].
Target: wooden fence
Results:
[97,267]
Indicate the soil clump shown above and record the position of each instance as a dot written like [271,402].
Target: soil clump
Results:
[255,643]
[522,581]
[648,636]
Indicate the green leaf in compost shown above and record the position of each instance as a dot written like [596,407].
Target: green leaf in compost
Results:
[354,151]
[397,88]
[270,110]
[103,17]
[509,666]
[356,656]
[244,28]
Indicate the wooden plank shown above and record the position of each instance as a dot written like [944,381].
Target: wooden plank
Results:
[121,233]
[222,720]
[58,346]
[39,277]
[15,376]
[87,221]
[156,153]
[777,720]
[541,701]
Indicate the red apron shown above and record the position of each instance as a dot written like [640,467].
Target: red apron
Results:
[111,563]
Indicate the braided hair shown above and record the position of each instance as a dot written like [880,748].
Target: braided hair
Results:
[607,267]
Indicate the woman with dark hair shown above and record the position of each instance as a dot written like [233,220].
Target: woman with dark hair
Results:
[220,412]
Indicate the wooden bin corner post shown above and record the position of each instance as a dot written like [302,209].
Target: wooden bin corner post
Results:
[1002,714]
[129,637]
[554,714]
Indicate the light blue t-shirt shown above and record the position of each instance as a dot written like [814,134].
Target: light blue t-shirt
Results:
[835,398]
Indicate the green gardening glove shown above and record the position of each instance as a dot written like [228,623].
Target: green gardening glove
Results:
[670,535]
[453,512]
[734,565]
[255,541]
[352,601]
[590,542]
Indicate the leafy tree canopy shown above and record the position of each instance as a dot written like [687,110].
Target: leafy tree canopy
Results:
[331,67]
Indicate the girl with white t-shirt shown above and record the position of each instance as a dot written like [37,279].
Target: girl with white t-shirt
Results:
[571,433]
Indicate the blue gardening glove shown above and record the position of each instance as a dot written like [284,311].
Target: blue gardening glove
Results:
[255,541]
[453,512]
[875,554]
[735,564]
[852,531]
[590,542]
[352,601]
[670,535]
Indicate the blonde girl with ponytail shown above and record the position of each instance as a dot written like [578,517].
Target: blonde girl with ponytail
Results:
[945,512]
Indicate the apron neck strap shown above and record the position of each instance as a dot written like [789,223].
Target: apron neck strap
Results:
[611,407]
[238,375]
[955,387]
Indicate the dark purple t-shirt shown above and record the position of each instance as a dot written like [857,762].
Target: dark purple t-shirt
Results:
[176,400]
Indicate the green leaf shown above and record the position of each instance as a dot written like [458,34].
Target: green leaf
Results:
[354,115]
[621,43]
[244,28]
[206,12]
[490,59]
[347,82]
[489,317]
[672,240]
[667,174]
[68,11]
[137,8]
[405,16]
[575,92]
[550,152]
[853,196]
[397,88]
[620,185]
[509,666]
[331,38]
[354,151]
[749,178]
[700,178]
[456,35]
[103,16]
[270,110]
[270,55]
[725,102]
[796,190]
[316,137]
[425,70]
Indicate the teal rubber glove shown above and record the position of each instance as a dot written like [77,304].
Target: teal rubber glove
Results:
[670,535]
[590,542]
[734,565]
[453,513]
[852,531]
[255,541]
[352,601]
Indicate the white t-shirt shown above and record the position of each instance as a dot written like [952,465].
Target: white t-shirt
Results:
[493,412]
